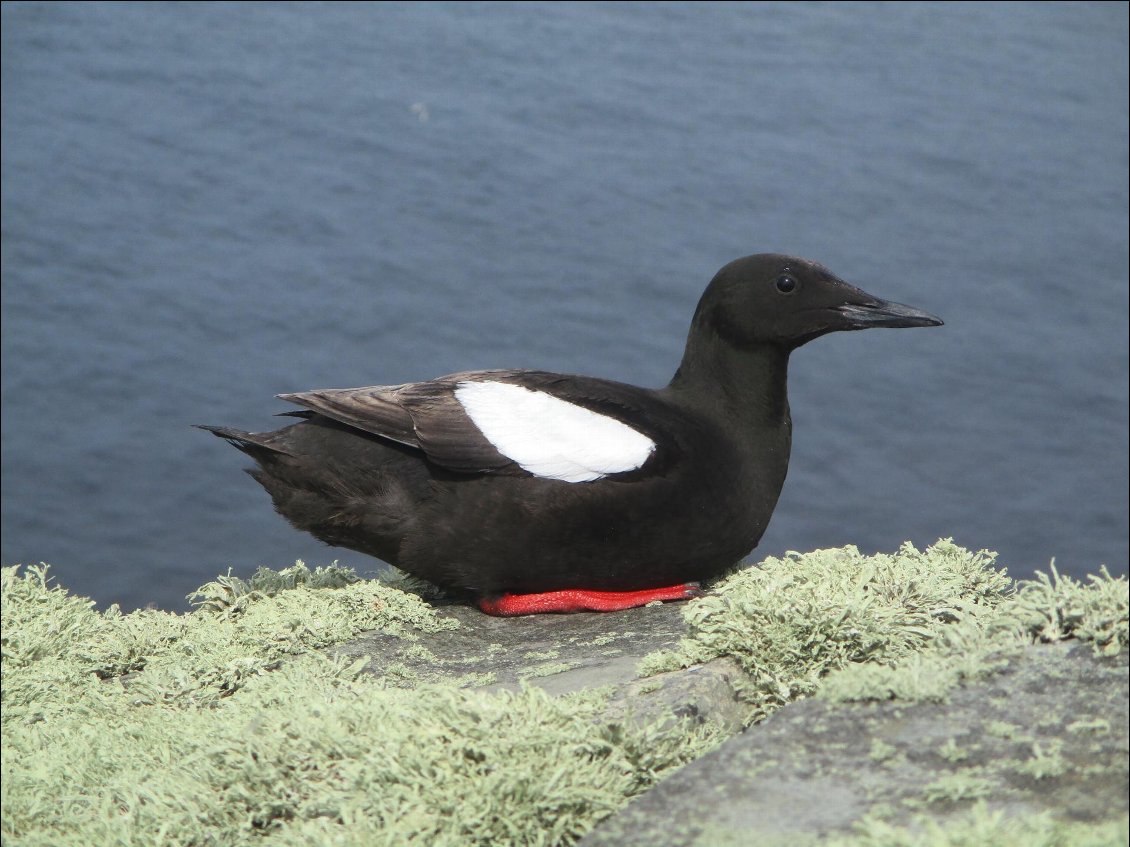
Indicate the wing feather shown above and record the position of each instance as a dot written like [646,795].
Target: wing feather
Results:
[374,409]
[430,417]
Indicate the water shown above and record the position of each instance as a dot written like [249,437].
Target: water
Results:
[205,205]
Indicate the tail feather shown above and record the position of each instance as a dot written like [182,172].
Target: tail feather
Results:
[249,442]
[344,487]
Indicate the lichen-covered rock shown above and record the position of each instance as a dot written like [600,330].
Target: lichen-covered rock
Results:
[562,654]
[301,707]
[1045,738]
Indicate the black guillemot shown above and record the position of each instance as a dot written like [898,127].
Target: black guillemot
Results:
[540,492]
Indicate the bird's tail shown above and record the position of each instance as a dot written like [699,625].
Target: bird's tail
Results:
[254,444]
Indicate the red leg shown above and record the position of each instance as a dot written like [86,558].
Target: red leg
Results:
[579,600]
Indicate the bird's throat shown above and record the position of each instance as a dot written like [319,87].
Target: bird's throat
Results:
[747,384]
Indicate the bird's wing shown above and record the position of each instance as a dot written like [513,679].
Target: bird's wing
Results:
[374,409]
[510,422]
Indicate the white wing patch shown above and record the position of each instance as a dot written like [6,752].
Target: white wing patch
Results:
[550,437]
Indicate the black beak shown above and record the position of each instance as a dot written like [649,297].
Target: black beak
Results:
[884,313]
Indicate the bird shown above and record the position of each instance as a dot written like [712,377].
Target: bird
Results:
[525,491]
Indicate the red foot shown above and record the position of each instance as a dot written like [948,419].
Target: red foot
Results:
[579,600]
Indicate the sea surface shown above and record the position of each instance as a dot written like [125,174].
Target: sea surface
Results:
[207,204]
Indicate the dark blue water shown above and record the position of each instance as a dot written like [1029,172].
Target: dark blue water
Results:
[205,205]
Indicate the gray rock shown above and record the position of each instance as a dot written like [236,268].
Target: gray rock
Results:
[563,654]
[1049,733]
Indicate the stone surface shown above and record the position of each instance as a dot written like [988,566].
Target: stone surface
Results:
[562,654]
[1049,733]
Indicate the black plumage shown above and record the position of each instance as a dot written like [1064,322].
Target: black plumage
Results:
[404,472]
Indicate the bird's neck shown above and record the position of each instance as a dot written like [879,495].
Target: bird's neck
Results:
[748,384]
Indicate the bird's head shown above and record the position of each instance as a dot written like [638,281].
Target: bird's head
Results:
[785,301]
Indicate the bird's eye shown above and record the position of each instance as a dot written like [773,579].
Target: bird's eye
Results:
[786,283]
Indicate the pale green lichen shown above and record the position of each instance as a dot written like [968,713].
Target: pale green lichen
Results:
[541,654]
[1046,761]
[1090,726]
[1003,729]
[601,640]
[956,786]
[238,632]
[981,826]
[229,725]
[966,651]
[1056,607]
[546,669]
[909,625]
[881,751]
[952,752]
[225,591]
[1044,609]
[792,621]
[475,680]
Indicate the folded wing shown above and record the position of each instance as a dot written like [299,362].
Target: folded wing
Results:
[511,422]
